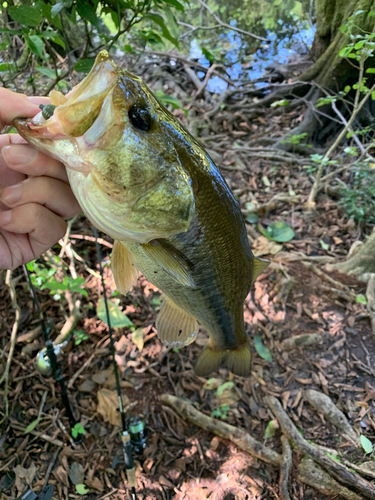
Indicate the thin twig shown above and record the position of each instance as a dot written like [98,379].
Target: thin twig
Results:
[228,26]
[12,292]
[285,468]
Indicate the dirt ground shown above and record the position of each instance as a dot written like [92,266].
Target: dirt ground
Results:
[182,461]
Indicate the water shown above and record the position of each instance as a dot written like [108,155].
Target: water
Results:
[281,47]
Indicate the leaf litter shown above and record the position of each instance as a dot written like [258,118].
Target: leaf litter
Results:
[333,352]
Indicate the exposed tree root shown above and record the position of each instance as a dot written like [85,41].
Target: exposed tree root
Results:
[335,469]
[323,404]
[313,475]
[370,294]
[285,468]
[239,437]
[362,262]
[298,341]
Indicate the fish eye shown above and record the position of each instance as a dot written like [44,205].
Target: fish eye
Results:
[140,117]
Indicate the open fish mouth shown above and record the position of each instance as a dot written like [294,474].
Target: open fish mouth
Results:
[76,112]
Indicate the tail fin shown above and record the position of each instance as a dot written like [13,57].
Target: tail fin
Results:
[238,361]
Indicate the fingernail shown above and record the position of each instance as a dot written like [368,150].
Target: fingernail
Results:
[18,154]
[5,217]
[11,194]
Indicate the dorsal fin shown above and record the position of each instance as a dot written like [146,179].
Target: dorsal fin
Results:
[171,260]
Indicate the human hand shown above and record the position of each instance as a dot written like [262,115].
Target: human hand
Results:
[35,196]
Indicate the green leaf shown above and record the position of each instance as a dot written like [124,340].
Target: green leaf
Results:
[271,428]
[32,426]
[169,99]
[87,11]
[46,72]
[77,430]
[26,15]
[366,444]
[175,4]
[7,67]
[347,89]
[280,232]
[345,51]
[138,338]
[227,385]
[172,23]
[359,45]
[336,458]
[81,489]
[281,103]
[117,318]
[36,44]
[59,6]
[324,245]
[252,218]
[11,32]
[370,70]
[208,55]
[84,65]
[160,22]
[361,299]
[261,349]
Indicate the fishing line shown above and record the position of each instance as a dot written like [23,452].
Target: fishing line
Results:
[125,437]
[53,363]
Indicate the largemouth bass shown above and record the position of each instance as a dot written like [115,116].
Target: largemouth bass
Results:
[141,178]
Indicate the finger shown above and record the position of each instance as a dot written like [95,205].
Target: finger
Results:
[52,193]
[27,160]
[15,105]
[43,226]
[7,175]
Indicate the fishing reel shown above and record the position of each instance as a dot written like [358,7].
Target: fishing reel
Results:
[43,362]
[138,430]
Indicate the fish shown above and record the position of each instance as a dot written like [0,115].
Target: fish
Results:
[144,180]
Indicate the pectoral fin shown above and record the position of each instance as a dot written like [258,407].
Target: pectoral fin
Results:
[123,267]
[175,327]
[173,262]
[259,265]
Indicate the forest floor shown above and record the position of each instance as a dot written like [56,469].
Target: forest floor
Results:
[290,298]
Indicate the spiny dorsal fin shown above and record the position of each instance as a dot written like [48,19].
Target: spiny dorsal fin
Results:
[123,268]
[173,262]
[175,327]
[259,265]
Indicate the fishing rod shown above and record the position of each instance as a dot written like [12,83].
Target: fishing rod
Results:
[134,429]
[134,432]
[50,363]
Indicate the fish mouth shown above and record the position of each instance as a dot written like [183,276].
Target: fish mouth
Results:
[76,112]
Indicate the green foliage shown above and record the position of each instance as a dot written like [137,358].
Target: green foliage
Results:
[261,349]
[77,430]
[361,299]
[278,231]
[81,489]
[80,336]
[50,29]
[271,429]
[43,277]
[358,199]
[221,412]
[366,444]
[117,318]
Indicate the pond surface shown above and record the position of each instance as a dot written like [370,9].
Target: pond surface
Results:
[281,47]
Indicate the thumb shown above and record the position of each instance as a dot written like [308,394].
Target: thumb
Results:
[13,105]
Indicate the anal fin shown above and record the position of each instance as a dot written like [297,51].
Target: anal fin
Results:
[175,327]
[123,267]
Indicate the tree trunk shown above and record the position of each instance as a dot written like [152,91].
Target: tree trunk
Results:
[330,70]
